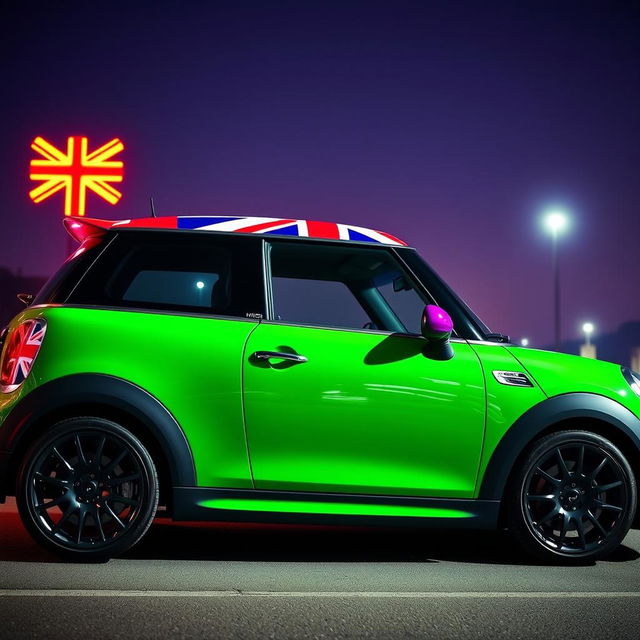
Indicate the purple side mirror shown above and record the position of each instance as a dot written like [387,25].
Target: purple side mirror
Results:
[436,323]
[436,326]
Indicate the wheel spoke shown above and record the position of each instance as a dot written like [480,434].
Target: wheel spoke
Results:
[81,455]
[550,497]
[114,516]
[116,461]
[97,459]
[580,529]
[562,465]
[554,512]
[81,520]
[606,487]
[580,463]
[597,524]
[52,503]
[96,517]
[563,530]
[547,476]
[599,468]
[116,481]
[62,459]
[65,516]
[604,505]
[56,482]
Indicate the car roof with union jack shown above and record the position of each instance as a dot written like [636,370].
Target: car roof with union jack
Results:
[81,227]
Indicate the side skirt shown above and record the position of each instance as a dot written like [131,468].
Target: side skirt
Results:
[249,505]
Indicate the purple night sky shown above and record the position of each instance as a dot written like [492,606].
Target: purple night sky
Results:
[449,124]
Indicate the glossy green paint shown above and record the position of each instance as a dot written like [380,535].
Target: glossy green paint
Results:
[505,404]
[368,413]
[332,508]
[192,365]
[559,373]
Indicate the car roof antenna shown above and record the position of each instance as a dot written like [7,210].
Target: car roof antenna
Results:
[153,209]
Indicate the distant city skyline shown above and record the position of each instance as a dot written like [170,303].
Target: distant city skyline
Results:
[452,126]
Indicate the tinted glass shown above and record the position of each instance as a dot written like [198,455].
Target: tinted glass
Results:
[178,271]
[62,282]
[180,288]
[317,302]
[343,286]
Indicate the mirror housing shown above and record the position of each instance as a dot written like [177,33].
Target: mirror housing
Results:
[436,326]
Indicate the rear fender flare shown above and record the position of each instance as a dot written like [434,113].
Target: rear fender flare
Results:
[87,389]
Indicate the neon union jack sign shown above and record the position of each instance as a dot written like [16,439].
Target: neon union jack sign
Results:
[75,171]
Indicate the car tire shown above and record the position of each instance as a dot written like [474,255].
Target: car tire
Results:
[87,489]
[571,498]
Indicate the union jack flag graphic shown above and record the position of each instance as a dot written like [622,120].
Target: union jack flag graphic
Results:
[76,171]
[286,227]
[22,348]
[82,228]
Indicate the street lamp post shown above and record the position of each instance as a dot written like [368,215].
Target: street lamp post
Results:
[587,349]
[556,222]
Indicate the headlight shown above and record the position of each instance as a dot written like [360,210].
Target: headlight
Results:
[633,378]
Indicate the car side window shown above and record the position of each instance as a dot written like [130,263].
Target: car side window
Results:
[342,286]
[317,302]
[178,272]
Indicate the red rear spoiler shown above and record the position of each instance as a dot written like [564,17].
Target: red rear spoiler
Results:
[82,228]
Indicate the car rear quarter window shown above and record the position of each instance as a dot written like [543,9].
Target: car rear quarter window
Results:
[188,272]
[58,287]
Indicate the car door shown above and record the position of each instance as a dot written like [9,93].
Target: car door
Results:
[338,394]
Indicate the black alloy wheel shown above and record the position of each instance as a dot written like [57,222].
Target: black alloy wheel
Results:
[88,489]
[573,499]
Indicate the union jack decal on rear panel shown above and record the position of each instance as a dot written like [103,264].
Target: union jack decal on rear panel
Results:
[21,351]
[266,226]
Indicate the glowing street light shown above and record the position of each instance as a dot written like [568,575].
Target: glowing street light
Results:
[588,329]
[524,342]
[556,221]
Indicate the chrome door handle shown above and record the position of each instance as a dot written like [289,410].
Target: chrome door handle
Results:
[278,355]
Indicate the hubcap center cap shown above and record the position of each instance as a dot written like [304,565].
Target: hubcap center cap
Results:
[88,489]
[571,498]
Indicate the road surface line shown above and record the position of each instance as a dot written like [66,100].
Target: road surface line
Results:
[114,593]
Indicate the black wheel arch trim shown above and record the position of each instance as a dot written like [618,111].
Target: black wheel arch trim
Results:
[94,388]
[569,406]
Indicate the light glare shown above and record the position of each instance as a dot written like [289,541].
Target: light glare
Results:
[556,221]
[588,328]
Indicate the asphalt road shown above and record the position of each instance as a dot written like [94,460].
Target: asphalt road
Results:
[250,581]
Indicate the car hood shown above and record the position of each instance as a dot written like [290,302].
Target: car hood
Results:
[558,373]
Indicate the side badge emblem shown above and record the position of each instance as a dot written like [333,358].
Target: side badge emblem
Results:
[512,378]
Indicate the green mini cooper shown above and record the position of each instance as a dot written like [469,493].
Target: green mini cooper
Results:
[261,369]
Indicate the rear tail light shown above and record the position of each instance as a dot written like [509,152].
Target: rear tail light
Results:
[21,347]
